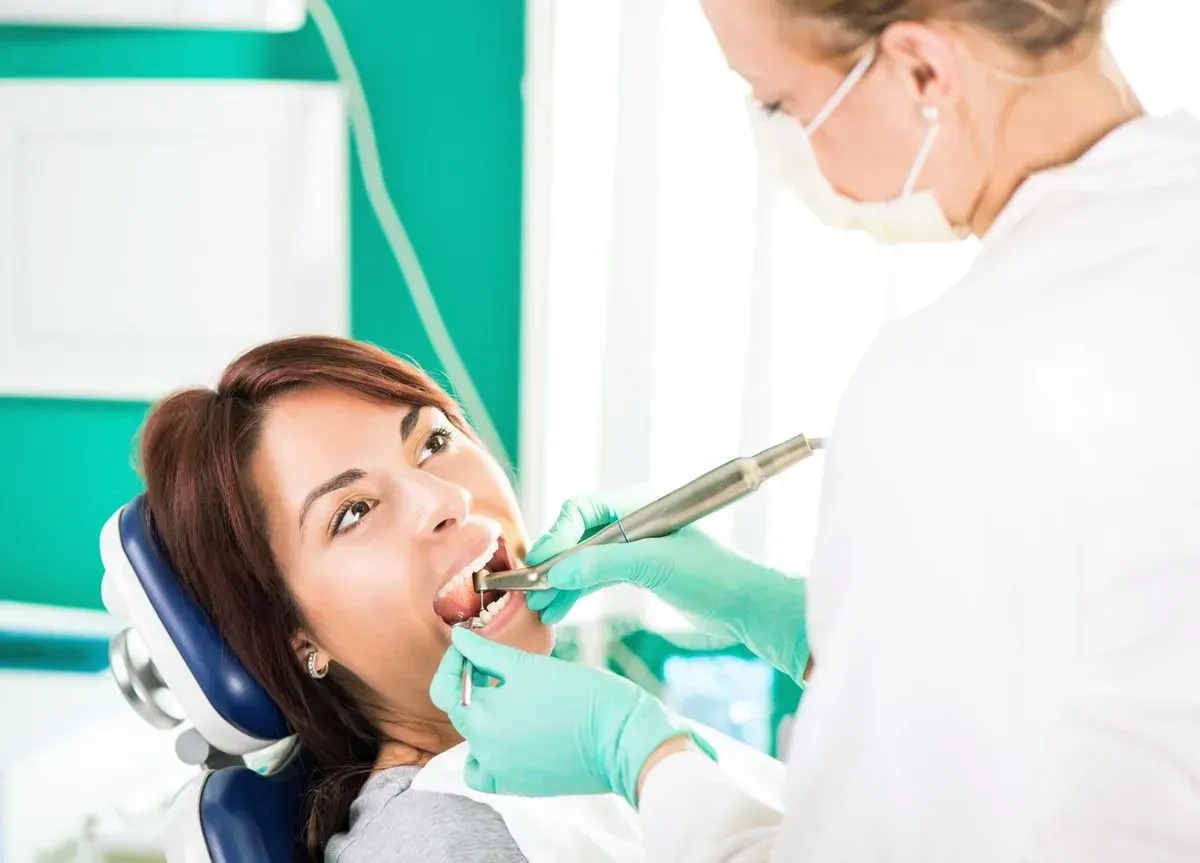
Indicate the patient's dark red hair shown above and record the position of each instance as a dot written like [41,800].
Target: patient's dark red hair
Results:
[195,451]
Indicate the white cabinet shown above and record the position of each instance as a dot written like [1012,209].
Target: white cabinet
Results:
[274,15]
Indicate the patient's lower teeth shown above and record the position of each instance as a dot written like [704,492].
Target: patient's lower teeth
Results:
[489,613]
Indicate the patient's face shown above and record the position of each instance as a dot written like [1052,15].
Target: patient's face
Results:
[377,514]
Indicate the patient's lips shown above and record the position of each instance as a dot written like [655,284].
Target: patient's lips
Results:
[457,600]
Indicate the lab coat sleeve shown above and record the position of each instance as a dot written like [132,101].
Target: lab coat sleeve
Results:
[692,811]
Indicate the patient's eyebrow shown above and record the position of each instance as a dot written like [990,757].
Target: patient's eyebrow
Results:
[409,423]
[334,483]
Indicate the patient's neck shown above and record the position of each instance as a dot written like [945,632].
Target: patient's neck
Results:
[407,744]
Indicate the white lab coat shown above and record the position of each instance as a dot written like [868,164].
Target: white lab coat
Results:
[1004,604]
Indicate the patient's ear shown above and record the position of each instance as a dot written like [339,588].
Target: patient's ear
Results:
[303,646]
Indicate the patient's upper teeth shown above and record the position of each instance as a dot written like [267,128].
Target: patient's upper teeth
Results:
[482,561]
[464,575]
[451,585]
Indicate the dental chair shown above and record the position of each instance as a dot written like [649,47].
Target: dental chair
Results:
[178,673]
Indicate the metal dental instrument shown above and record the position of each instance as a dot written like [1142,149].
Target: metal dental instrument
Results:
[700,497]
[468,685]
[468,673]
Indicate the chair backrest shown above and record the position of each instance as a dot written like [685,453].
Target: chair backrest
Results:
[229,814]
[235,814]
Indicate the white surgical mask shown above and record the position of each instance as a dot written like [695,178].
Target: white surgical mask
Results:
[786,146]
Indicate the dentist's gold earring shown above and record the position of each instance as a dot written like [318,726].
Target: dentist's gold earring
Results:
[313,671]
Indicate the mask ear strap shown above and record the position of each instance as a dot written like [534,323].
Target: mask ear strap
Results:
[934,118]
[856,74]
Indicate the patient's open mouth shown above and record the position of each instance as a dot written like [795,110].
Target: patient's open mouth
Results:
[457,601]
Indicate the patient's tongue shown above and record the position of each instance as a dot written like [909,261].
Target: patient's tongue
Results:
[458,605]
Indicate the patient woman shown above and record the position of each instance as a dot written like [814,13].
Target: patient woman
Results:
[327,504]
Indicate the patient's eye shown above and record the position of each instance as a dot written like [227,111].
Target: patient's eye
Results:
[439,439]
[350,514]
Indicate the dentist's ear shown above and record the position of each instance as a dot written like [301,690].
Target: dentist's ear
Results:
[928,59]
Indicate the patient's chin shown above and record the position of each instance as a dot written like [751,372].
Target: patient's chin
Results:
[525,631]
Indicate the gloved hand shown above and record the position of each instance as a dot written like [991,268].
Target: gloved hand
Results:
[550,727]
[721,591]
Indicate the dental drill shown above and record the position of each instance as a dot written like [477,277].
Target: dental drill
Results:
[689,503]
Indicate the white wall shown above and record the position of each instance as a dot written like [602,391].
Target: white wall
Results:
[137,216]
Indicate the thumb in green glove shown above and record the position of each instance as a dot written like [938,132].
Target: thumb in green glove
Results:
[578,519]
[550,727]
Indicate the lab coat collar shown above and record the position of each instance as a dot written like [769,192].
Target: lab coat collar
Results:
[1158,149]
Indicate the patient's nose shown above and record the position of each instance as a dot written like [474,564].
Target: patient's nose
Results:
[437,505]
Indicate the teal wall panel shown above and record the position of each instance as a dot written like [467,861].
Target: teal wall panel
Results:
[443,82]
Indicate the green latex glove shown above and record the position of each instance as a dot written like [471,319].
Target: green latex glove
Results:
[721,591]
[550,727]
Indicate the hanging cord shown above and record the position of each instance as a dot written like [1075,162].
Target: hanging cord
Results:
[396,235]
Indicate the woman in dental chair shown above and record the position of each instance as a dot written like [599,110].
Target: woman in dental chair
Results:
[326,505]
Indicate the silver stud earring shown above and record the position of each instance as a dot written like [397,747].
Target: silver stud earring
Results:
[312,666]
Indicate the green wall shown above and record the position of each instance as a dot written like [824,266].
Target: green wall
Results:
[443,82]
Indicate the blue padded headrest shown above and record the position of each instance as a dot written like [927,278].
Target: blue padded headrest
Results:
[229,688]
[246,816]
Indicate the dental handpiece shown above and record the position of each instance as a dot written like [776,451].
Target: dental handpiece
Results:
[689,503]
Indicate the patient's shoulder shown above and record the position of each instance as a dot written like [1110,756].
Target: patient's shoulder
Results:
[392,823]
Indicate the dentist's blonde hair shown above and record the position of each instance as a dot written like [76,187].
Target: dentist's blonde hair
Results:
[1034,27]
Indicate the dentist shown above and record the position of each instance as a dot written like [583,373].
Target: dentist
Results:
[1004,604]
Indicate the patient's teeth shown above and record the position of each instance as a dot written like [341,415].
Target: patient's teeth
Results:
[451,585]
[465,575]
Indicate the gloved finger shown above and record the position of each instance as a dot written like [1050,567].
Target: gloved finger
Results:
[496,660]
[605,565]
[581,516]
[539,600]
[479,779]
[575,519]
[445,690]
[561,605]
